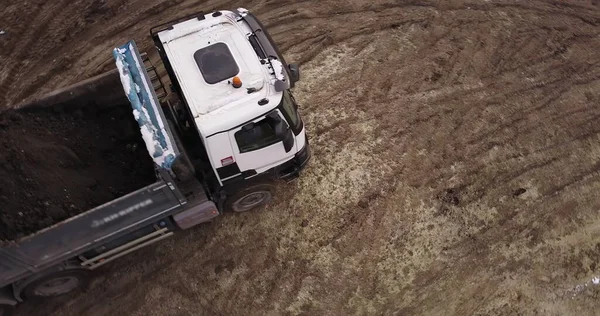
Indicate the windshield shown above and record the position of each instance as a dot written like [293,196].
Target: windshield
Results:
[256,135]
[290,110]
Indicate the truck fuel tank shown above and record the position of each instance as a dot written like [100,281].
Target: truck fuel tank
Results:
[194,215]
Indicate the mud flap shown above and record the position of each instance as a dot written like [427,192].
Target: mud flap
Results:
[146,107]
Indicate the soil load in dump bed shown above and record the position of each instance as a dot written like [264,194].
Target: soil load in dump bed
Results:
[58,162]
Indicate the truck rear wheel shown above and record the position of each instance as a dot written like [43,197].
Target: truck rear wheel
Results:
[6,310]
[251,197]
[57,283]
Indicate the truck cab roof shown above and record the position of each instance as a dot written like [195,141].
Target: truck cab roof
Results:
[205,54]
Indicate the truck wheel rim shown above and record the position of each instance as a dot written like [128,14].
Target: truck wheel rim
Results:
[57,286]
[251,200]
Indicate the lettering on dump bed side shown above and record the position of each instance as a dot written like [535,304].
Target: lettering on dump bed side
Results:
[121,213]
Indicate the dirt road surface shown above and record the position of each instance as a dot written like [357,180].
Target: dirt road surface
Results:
[456,165]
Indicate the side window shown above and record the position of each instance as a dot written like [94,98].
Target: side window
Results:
[256,135]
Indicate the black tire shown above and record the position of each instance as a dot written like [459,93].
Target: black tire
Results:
[6,310]
[57,284]
[250,198]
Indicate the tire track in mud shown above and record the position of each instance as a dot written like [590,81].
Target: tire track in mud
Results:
[90,33]
[417,120]
[549,101]
[442,122]
[373,20]
[519,117]
[34,46]
[54,53]
[37,54]
[16,55]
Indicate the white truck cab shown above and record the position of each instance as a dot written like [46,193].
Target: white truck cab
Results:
[234,97]
[230,128]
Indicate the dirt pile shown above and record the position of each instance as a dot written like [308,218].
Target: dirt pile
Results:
[57,163]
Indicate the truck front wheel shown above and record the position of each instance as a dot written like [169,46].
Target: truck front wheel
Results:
[56,284]
[251,197]
[6,310]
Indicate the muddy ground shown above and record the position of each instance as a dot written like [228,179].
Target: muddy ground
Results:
[455,171]
[58,162]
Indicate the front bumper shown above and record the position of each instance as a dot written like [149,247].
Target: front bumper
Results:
[290,170]
[303,156]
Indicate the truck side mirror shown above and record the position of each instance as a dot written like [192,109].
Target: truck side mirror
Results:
[288,140]
[284,133]
[294,73]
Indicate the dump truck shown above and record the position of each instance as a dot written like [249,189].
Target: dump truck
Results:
[221,134]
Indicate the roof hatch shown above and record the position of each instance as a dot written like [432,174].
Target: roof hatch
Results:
[216,63]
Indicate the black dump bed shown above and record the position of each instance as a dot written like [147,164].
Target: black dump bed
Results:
[74,171]
[85,231]
[62,160]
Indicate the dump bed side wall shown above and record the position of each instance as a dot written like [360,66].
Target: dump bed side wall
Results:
[79,234]
[88,230]
[10,269]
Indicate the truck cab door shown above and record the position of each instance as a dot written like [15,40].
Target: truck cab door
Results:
[263,143]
